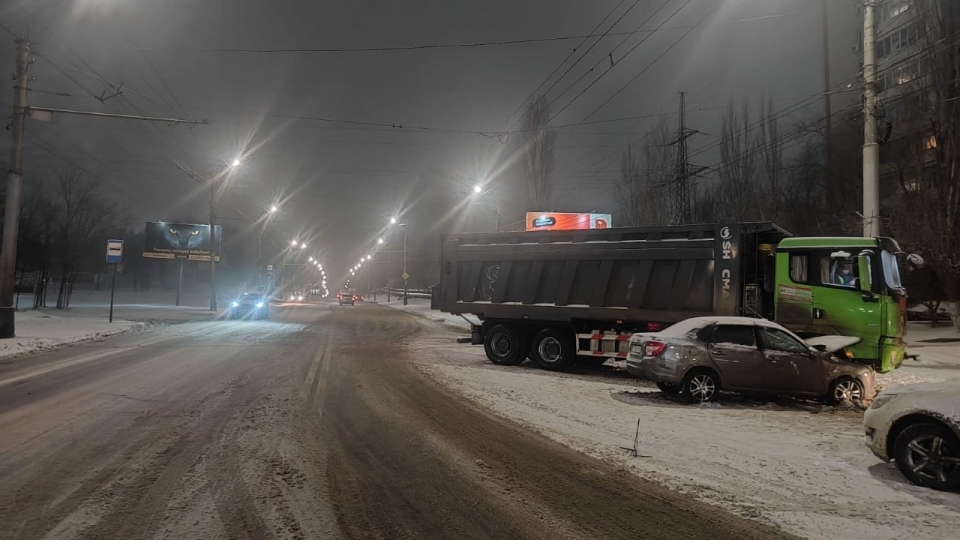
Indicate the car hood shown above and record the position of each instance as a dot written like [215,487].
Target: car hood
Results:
[951,388]
[833,343]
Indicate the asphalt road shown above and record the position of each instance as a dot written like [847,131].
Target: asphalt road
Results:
[308,425]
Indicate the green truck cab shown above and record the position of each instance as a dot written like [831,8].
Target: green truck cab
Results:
[848,286]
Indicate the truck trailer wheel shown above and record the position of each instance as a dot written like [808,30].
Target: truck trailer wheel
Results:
[504,345]
[553,349]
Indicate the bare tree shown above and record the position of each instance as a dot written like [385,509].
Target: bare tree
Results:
[642,190]
[83,216]
[768,143]
[737,193]
[536,146]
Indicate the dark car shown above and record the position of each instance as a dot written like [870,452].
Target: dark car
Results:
[249,305]
[700,356]
[348,297]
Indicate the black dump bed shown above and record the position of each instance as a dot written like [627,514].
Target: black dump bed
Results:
[638,274]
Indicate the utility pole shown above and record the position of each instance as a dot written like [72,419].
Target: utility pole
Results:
[682,207]
[11,217]
[871,146]
[213,247]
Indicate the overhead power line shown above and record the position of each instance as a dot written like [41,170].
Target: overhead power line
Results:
[427,46]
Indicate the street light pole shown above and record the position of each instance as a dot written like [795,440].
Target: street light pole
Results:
[406,276]
[11,218]
[213,247]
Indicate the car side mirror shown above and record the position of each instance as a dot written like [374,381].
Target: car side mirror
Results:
[864,278]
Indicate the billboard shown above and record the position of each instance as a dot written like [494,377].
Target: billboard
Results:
[164,240]
[555,221]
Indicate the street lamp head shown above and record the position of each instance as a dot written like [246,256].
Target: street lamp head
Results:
[379,240]
[303,245]
[368,257]
[477,188]
[273,209]
[235,162]
[310,259]
[293,243]
[393,221]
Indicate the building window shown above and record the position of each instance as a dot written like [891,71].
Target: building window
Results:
[930,142]
[898,40]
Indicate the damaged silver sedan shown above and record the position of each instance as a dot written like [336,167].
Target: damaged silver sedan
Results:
[699,357]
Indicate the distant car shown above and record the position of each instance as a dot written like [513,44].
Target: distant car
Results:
[700,356]
[348,297]
[249,305]
[918,426]
[296,297]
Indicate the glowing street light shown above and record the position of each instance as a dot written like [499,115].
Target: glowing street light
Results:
[310,259]
[235,162]
[477,188]
[293,243]
[273,209]
[393,221]
[368,257]
[379,240]
[303,245]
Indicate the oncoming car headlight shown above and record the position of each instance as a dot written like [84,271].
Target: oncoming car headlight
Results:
[235,304]
[259,304]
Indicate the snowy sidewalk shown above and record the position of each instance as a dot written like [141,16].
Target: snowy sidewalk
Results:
[40,330]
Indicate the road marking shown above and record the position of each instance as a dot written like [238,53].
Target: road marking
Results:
[322,383]
[316,362]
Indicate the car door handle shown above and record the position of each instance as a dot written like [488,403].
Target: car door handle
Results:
[718,353]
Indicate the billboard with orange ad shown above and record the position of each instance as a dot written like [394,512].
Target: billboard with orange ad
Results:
[556,221]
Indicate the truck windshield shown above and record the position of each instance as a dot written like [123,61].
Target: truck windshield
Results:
[891,270]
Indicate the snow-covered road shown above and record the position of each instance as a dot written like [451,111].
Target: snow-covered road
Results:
[799,465]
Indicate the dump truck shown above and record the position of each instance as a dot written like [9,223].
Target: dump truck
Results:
[560,296]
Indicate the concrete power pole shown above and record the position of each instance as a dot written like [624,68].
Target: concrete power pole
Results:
[213,247]
[871,146]
[11,217]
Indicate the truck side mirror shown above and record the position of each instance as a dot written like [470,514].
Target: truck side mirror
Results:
[865,277]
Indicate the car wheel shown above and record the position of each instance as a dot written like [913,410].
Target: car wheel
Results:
[668,388]
[845,389]
[504,345]
[929,456]
[553,349]
[701,386]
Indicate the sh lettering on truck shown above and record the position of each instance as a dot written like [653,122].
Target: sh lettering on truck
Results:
[727,278]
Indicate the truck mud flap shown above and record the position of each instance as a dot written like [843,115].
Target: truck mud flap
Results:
[476,335]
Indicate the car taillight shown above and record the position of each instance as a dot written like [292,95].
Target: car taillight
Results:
[654,348]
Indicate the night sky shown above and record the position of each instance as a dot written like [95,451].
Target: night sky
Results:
[338,182]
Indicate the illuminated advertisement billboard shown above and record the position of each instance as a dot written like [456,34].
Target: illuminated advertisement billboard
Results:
[163,240]
[556,221]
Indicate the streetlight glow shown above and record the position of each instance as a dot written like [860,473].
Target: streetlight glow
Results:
[477,188]
[303,245]
[393,221]
[379,240]
[235,162]
[273,209]
[293,243]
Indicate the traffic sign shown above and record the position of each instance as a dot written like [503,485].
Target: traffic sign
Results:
[114,251]
[405,276]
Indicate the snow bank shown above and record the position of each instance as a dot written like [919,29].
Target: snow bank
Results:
[421,307]
[38,330]
[798,465]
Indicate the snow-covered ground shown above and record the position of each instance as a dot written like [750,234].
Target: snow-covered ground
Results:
[421,307]
[40,330]
[799,465]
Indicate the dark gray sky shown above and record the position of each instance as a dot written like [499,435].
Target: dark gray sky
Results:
[339,181]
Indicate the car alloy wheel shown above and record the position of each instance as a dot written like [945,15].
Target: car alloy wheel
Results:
[847,390]
[929,455]
[701,386]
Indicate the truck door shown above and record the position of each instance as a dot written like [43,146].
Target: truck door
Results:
[794,294]
[840,307]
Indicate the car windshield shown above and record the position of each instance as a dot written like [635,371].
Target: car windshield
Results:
[891,270]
